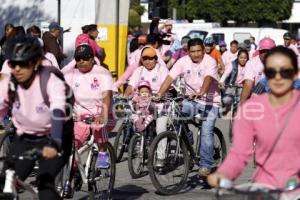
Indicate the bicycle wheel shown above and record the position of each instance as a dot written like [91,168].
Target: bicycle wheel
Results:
[172,176]
[135,157]
[220,149]
[119,145]
[5,142]
[102,181]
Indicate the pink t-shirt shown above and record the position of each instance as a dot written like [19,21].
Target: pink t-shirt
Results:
[131,68]
[135,57]
[51,58]
[179,54]
[254,70]
[257,119]
[194,75]
[88,88]
[30,114]
[240,75]
[228,57]
[155,77]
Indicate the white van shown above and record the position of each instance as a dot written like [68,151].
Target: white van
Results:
[238,33]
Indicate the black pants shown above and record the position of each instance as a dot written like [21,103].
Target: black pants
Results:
[48,169]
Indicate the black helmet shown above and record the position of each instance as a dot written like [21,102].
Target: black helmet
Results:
[24,48]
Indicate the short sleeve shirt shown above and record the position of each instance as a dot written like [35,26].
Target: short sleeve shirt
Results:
[156,77]
[88,88]
[194,75]
[254,70]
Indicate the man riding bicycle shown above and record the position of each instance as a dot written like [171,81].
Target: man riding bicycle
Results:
[200,73]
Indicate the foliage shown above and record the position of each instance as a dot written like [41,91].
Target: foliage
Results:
[135,13]
[241,11]
[134,19]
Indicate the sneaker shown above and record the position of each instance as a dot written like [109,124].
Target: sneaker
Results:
[203,172]
[102,160]
[160,163]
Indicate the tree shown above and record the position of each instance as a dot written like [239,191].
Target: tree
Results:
[241,11]
[135,13]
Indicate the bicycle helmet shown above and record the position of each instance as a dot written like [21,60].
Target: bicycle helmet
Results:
[209,41]
[24,48]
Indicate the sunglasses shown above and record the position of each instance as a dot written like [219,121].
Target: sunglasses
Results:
[13,64]
[149,58]
[84,58]
[270,73]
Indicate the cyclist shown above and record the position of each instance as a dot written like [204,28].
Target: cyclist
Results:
[92,86]
[287,38]
[200,72]
[272,120]
[134,57]
[151,71]
[180,52]
[231,55]
[153,40]
[222,46]
[211,50]
[233,75]
[37,125]
[254,68]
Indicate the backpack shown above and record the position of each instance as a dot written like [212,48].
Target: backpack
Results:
[45,73]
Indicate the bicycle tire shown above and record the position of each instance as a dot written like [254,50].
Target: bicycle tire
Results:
[119,140]
[152,171]
[94,192]
[131,153]
[217,154]
[5,143]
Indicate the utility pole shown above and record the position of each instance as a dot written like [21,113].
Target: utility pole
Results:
[58,11]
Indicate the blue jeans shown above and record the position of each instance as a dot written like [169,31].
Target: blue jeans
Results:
[208,117]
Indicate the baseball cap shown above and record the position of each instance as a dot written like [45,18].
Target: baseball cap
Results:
[287,35]
[148,51]
[83,51]
[55,26]
[222,43]
[266,43]
[144,84]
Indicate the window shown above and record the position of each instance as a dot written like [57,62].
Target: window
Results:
[240,37]
[218,37]
[197,34]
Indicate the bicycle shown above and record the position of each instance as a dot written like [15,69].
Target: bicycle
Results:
[179,152]
[231,100]
[256,191]
[13,183]
[123,110]
[138,151]
[100,181]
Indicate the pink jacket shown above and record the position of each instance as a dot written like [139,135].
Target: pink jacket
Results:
[257,119]
[85,39]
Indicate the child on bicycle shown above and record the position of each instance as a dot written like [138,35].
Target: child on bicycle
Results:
[143,106]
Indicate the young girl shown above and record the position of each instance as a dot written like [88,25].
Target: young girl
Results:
[143,106]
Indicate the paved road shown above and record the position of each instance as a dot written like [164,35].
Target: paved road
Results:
[128,188]
[131,189]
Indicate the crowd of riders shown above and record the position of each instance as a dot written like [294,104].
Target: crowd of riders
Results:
[47,112]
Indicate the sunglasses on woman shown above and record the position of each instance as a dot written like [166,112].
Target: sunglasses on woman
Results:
[84,58]
[13,64]
[285,73]
[149,58]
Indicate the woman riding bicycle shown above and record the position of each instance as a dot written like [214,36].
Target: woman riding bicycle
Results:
[92,86]
[272,120]
[37,125]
